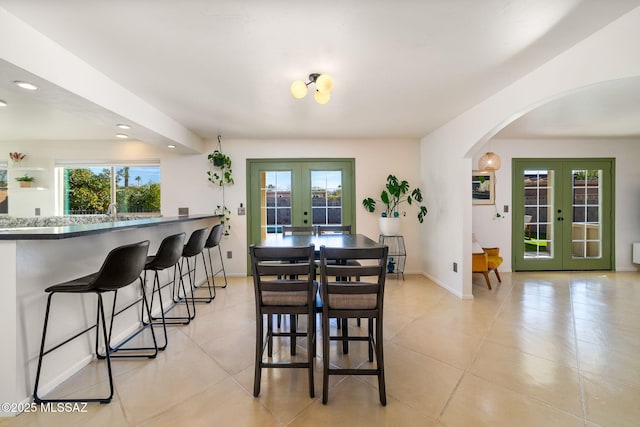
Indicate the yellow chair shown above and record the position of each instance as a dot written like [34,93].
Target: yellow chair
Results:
[488,260]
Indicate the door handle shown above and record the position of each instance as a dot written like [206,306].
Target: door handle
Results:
[560,218]
[305,221]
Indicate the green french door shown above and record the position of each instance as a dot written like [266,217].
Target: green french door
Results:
[298,192]
[563,215]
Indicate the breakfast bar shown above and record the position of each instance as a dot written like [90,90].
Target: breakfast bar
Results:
[33,258]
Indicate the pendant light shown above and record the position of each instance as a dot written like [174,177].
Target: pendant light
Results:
[490,161]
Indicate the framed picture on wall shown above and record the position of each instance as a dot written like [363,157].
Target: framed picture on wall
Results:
[483,187]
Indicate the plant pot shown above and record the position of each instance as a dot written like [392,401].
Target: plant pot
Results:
[218,162]
[25,184]
[389,226]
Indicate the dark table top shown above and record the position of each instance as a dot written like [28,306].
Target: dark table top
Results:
[64,232]
[328,240]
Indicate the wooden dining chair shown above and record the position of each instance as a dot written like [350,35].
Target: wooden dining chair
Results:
[344,299]
[303,230]
[283,279]
[334,229]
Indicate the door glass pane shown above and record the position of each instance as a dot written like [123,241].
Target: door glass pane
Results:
[586,227]
[275,201]
[326,197]
[538,214]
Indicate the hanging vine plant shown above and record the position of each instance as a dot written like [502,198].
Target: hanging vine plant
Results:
[221,174]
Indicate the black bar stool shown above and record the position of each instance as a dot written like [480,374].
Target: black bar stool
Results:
[193,247]
[122,266]
[213,241]
[167,256]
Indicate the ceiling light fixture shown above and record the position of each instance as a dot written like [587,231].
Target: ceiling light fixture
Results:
[3,103]
[490,161]
[323,82]
[26,85]
[171,146]
[122,136]
[123,126]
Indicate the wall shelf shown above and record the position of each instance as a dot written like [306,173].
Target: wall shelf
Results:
[28,169]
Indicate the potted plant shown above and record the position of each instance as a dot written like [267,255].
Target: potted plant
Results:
[16,157]
[395,193]
[220,173]
[25,180]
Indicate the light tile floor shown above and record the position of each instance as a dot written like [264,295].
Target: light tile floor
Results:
[540,349]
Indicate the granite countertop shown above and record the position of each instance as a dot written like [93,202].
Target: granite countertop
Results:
[47,228]
[59,221]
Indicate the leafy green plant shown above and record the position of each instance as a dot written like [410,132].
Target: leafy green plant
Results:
[226,217]
[396,193]
[221,172]
[25,178]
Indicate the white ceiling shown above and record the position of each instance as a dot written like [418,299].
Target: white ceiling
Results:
[401,68]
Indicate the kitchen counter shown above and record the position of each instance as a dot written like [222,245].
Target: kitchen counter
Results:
[34,258]
[76,230]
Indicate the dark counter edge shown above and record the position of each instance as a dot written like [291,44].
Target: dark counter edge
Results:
[68,231]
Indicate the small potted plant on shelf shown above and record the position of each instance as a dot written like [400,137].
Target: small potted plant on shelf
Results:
[16,157]
[395,193]
[25,180]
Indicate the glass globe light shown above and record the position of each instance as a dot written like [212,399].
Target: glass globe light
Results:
[298,89]
[321,97]
[489,162]
[324,83]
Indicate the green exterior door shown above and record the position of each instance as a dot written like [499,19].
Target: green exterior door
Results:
[298,192]
[563,215]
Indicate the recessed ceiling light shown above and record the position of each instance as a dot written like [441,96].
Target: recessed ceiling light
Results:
[123,126]
[26,85]
[171,146]
[122,136]
[3,103]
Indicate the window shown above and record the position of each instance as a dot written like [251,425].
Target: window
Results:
[326,197]
[276,197]
[4,190]
[91,189]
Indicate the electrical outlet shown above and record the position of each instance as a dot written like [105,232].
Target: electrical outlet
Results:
[37,213]
[455,267]
[229,254]
[505,209]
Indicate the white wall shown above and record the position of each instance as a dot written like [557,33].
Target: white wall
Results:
[184,178]
[44,154]
[497,232]
[184,181]
[608,54]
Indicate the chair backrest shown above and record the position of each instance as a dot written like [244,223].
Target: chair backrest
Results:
[169,252]
[215,236]
[121,267]
[367,292]
[196,242]
[304,230]
[334,229]
[283,269]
